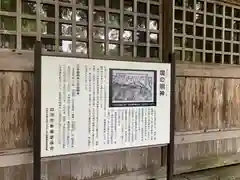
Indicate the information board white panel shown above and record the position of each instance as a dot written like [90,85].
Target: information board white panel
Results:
[92,105]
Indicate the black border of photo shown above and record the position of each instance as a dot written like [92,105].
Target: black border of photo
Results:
[133,104]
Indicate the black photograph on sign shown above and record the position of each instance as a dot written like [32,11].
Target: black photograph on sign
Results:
[130,87]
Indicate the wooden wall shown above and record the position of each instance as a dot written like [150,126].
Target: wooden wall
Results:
[207,128]
[208,104]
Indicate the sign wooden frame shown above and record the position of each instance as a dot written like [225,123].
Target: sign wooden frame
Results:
[37,114]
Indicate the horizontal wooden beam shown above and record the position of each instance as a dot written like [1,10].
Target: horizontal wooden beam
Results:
[227,2]
[222,173]
[16,61]
[24,156]
[16,157]
[206,135]
[188,167]
[208,70]
[23,61]
[202,163]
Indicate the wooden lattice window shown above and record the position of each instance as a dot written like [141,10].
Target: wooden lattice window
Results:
[206,32]
[91,28]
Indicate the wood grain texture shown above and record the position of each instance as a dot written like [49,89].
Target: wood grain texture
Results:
[207,149]
[199,103]
[16,109]
[114,163]
[207,103]
[23,172]
[16,132]
[13,61]
[202,104]
[232,103]
[86,167]
[223,173]
[10,172]
[14,157]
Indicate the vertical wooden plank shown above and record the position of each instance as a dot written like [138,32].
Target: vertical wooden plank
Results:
[44,171]
[217,109]
[22,172]
[65,166]
[188,102]
[76,171]
[206,103]
[7,173]
[180,113]
[29,175]
[2,173]
[154,158]
[226,96]
[52,170]
[232,103]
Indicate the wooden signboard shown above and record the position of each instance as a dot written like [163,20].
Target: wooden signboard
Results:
[89,105]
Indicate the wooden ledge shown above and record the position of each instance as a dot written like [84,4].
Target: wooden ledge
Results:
[16,61]
[208,70]
[24,156]
[187,166]
[206,135]
[23,62]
